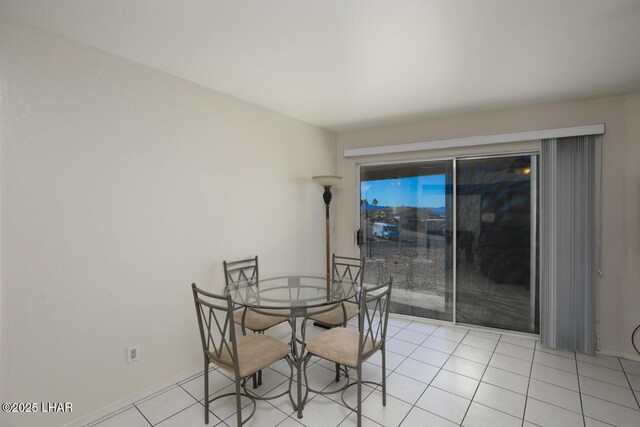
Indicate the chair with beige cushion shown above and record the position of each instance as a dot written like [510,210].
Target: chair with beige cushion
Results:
[350,348]
[343,269]
[240,356]
[246,273]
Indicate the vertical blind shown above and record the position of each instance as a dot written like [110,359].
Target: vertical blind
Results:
[567,243]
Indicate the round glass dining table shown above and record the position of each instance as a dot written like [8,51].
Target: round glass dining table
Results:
[296,292]
[294,296]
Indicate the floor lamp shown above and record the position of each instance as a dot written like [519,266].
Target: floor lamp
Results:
[327,181]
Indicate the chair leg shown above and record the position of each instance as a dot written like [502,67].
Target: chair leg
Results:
[384,376]
[238,403]
[359,386]
[259,372]
[206,391]
[337,372]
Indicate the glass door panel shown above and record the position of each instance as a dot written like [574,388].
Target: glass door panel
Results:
[406,217]
[497,243]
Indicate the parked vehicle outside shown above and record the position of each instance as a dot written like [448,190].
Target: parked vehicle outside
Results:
[386,231]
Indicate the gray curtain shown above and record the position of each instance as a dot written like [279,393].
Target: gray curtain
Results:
[567,240]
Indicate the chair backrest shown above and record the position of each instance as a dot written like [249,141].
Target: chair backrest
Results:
[372,318]
[347,268]
[244,272]
[217,331]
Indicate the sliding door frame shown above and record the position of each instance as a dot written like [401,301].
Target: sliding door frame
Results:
[533,258]
[454,159]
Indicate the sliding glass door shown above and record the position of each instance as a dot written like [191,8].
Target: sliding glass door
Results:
[406,215]
[496,254]
[458,236]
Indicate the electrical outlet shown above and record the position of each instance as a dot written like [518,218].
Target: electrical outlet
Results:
[133,353]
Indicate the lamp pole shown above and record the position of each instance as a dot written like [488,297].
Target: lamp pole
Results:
[327,181]
[326,196]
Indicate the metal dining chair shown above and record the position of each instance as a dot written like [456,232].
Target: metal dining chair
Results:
[350,348]
[245,273]
[241,356]
[343,269]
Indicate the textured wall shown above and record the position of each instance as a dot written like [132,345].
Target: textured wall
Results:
[121,186]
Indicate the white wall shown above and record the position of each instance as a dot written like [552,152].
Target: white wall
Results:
[618,291]
[121,186]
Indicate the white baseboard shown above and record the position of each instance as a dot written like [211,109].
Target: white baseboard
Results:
[128,401]
[609,352]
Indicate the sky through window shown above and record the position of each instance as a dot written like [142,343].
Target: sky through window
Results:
[427,191]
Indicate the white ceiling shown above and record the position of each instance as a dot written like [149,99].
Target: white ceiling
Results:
[342,64]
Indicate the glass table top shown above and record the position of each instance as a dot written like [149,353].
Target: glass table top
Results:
[291,291]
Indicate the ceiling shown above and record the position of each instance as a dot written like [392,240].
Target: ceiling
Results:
[344,64]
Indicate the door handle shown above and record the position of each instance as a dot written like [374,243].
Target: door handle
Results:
[359,241]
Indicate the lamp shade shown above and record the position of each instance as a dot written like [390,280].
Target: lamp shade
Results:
[327,180]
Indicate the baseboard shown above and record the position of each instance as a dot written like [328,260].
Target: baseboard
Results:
[609,352]
[128,401]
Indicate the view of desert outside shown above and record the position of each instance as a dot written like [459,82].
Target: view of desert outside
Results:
[404,225]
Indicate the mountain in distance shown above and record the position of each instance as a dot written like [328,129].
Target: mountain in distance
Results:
[440,210]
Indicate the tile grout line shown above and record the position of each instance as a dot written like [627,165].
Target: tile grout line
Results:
[480,380]
[579,375]
[575,391]
[175,386]
[635,396]
[584,421]
[526,399]
[413,405]
[434,377]
[514,373]
[407,357]
[156,394]
[143,416]
[602,366]
[198,402]
[404,360]
[110,415]
[184,409]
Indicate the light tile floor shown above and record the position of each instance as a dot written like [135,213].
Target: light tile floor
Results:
[437,376]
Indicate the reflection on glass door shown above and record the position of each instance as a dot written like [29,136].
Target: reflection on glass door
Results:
[406,222]
[496,245]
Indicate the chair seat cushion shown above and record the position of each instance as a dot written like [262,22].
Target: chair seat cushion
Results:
[335,316]
[339,345]
[255,352]
[257,321]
